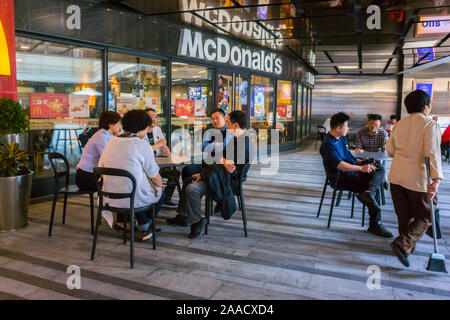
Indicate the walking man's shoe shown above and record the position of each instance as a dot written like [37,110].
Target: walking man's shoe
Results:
[378,229]
[197,228]
[401,255]
[179,220]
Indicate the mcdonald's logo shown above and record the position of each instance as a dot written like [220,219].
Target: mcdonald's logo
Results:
[5,64]
[36,111]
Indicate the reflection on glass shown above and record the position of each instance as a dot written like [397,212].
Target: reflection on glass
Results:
[241,94]
[191,101]
[62,87]
[285,111]
[225,92]
[137,83]
[305,112]
[261,105]
[299,112]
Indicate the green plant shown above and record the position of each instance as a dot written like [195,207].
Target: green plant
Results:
[13,161]
[13,118]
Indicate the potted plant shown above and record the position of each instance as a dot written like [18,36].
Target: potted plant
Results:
[15,186]
[14,122]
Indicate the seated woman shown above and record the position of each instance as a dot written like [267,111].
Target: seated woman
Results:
[109,124]
[132,153]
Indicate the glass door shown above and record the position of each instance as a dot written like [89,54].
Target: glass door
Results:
[232,92]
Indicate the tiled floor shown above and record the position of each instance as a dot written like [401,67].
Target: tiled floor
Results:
[289,254]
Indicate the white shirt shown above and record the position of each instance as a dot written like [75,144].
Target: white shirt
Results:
[412,139]
[136,156]
[157,136]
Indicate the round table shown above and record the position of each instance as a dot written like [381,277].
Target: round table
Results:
[379,156]
[171,161]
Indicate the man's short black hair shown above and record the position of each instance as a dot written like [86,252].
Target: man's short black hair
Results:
[218,110]
[108,118]
[393,117]
[150,109]
[338,120]
[375,116]
[416,101]
[239,117]
[135,120]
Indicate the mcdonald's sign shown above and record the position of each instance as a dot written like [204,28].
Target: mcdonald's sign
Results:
[8,80]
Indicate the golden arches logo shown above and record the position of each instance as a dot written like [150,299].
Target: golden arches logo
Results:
[5,68]
[37,111]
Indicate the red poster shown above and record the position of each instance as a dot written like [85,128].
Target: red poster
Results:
[184,107]
[282,110]
[49,105]
[8,82]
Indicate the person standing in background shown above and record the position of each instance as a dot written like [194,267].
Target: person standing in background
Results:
[413,138]
[390,124]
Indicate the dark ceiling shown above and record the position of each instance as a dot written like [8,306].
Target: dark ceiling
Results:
[335,30]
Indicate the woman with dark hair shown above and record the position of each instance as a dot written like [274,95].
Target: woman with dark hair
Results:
[412,139]
[109,124]
[132,153]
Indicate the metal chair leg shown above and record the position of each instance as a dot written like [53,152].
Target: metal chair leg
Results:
[363,215]
[153,226]
[64,209]
[323,195]
[338,201]
[132,239]
[331,208]
[125,230]
[52,216]
[353,204]
[206,214]
[99,216]
[91,198]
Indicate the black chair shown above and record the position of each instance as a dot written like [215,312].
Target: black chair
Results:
[99,172]
[66,190]
[321,131]
[335,190]
[241,200]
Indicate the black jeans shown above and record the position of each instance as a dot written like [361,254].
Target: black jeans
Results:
[85,180]
[360,182]
[143,217]
[173,177]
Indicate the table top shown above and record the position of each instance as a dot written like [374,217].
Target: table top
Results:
[171,161]
[372,155]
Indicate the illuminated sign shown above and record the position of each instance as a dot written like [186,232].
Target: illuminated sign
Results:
[233,24]
[426,54]
[429,25]
[427,87]
[192,45]
[5,66]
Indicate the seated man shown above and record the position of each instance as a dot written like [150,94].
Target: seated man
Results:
[218,122]
[373,138]
[159,145]
[356,177]
[189,208]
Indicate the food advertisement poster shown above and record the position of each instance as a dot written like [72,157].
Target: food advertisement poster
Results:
[282,110]
[184,107]
[125,104]
[49,105]
[200,108]
[259,101]
[78,106]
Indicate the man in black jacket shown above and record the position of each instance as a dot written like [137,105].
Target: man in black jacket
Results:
[237,152]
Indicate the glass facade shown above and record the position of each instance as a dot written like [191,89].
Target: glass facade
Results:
[261,105]
[62,86]
[285,111]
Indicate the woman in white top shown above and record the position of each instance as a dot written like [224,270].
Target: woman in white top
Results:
[132,153]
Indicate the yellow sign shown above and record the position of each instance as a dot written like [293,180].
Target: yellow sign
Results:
[5,67]
[429,25]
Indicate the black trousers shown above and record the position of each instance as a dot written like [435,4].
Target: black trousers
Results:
[172,176]
[85,180]
[143,217]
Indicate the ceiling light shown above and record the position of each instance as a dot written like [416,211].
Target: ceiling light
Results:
[195,76]
[24,47]
[348,67]
[419,44]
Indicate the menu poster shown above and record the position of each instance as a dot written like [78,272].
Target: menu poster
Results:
[427,87]
[49,105]
[125,104]
[78,106]
[194,93]
[282,110]
[184,107]
[259,101]
[289,111]
[200,108]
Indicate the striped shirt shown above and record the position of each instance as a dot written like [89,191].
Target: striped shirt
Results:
[372,143]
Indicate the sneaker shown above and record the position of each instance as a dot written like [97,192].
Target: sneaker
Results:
[379,230]
[197,228]
[179,220]
[148,234]
[169,204]
[401,255]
